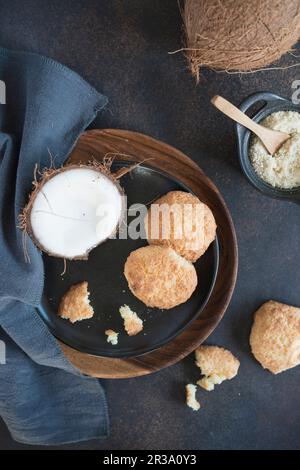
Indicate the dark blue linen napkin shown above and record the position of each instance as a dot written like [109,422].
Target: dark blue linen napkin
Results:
[43,398]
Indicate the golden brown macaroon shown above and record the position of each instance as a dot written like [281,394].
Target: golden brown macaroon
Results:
[159,277]
[181,221]
[275,336]
[75,304]
[216,364]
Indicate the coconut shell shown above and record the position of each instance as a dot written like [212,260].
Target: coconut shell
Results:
[25,216]
[239,35]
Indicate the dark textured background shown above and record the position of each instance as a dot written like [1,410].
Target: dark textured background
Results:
[121,47]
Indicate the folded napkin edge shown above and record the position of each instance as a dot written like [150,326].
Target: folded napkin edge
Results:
[16,54]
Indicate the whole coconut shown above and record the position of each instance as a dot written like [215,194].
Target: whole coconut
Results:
[239,35]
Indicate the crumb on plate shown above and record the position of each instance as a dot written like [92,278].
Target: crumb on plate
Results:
[112,337]
[132,323]
[75,305]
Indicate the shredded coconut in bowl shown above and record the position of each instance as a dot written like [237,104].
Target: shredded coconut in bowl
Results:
[281,170]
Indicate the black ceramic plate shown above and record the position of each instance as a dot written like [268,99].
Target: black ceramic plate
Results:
[109,290]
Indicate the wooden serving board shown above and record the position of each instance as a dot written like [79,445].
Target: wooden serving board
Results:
[129,145]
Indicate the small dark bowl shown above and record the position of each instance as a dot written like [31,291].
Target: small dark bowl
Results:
[270,103]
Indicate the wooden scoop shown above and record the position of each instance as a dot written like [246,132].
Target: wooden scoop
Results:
[271,139]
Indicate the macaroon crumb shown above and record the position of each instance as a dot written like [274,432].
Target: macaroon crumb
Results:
[191,400]
[112,337]
[208,383]
[75,305]
[216,364]
[132,323]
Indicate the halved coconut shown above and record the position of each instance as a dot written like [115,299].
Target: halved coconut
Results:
[74,209]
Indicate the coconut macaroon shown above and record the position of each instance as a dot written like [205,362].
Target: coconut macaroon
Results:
[75,304]
[181,221]
[159,277]
[191,400]
[112,337]
[132,323]
[275,336]
[216,364]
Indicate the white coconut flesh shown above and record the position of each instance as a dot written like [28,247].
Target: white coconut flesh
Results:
[75,211]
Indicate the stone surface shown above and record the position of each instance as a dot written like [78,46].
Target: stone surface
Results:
[122,47]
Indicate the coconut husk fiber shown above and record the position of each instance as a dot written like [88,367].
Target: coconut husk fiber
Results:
[239,35]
